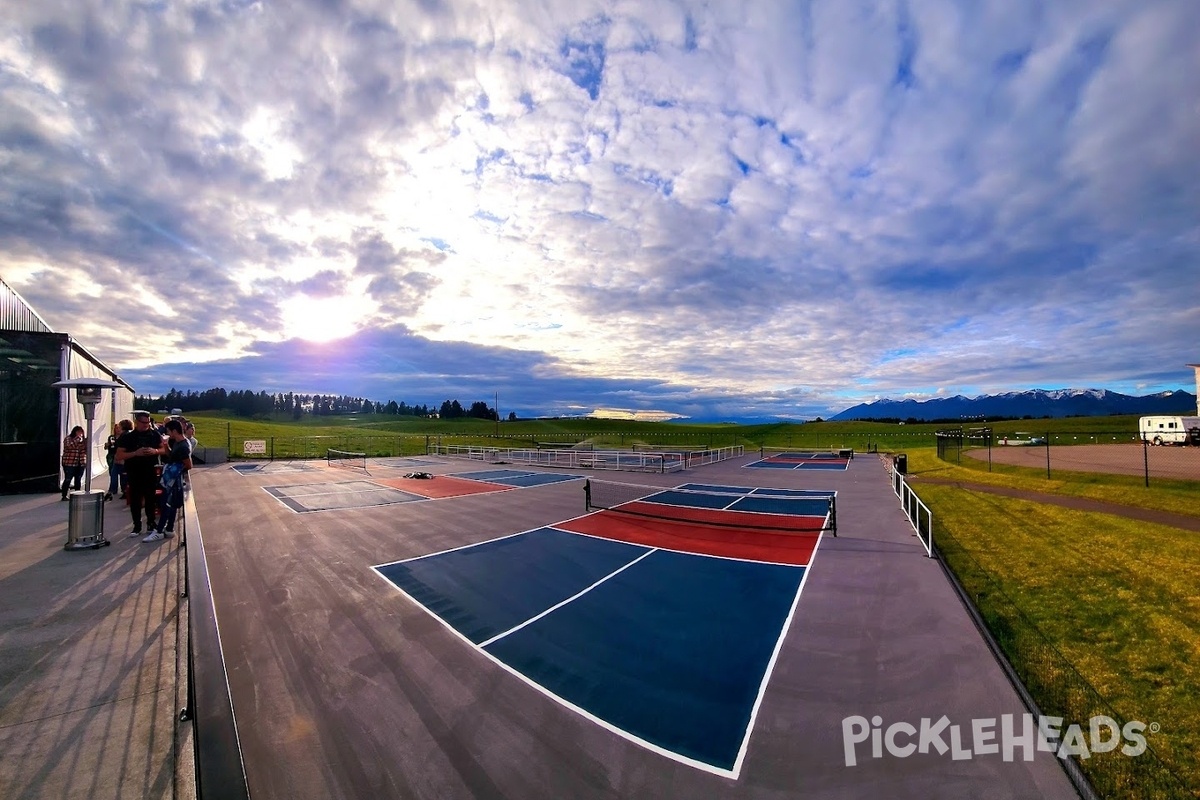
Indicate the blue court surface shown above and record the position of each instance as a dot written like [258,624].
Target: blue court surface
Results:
[517,477]
[755,490]
[802,460]
[668,649]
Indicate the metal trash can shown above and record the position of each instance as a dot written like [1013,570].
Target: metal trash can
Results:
[85,523]
[902,463]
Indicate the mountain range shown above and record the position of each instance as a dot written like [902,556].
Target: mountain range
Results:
[1035,403]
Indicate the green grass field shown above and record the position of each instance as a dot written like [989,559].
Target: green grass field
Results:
[1097,612]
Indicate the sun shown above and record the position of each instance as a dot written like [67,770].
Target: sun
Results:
[321,319]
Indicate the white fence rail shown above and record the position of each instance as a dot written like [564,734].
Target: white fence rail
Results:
[917,512]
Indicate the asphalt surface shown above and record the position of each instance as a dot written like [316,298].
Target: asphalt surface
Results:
[344,687]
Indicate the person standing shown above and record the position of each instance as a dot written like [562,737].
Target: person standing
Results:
[139,450]
[74,459]
[178,461]
[189,433]
[116,472]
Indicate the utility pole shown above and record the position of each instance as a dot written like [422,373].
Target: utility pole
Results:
[497,413]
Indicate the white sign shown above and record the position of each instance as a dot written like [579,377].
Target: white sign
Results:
[254,447]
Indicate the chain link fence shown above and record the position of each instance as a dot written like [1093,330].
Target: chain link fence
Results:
[1073,452]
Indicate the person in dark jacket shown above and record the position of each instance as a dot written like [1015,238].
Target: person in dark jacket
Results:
[139,451]
[176,464]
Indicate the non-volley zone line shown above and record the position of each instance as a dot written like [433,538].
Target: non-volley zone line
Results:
[672,651]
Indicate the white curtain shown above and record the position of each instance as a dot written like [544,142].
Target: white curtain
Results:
[115,404]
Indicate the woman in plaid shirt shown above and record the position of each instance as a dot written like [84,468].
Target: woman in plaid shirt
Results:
[74,459]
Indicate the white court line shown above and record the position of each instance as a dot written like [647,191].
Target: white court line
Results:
[766,679]
[570,599]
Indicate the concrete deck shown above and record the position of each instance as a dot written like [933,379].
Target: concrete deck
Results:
[89,645]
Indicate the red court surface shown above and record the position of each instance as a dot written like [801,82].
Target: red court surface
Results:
[441,486]
[777,547]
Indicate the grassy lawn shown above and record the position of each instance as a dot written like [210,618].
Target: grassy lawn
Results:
[1114,600]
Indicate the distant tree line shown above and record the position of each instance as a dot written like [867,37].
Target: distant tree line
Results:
[245,403]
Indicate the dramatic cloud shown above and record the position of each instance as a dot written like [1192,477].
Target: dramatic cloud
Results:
[719,210]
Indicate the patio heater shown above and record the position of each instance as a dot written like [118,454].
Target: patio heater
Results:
[85,520]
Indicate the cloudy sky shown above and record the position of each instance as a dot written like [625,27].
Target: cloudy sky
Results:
[718,209]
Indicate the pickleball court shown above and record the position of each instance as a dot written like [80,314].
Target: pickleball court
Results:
[658,618]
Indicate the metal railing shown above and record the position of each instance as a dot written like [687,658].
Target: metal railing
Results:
[919,515]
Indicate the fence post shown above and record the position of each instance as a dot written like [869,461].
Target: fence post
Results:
[1047,455]
[1146,460]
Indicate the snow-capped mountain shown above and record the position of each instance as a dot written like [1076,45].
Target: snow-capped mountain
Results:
[1032,403]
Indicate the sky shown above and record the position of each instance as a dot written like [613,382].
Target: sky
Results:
[720,210]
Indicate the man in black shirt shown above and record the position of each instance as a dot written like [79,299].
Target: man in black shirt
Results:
[139,450]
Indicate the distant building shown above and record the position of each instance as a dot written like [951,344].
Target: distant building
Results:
[1197,368]
[34,416]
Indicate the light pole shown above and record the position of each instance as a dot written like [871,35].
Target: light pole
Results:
[85,523]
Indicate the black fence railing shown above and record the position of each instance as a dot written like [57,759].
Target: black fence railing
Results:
[219,765]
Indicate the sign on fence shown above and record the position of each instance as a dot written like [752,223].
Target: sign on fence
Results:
[254,447]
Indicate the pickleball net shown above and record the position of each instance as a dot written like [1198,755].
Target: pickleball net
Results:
[346,458]
[769,510]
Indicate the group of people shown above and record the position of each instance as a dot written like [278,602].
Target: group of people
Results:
[134,451]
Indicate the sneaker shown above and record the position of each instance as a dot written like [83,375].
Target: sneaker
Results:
[135,533]
[154,536]
[167,534]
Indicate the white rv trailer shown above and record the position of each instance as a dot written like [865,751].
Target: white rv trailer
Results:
[1170,430]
